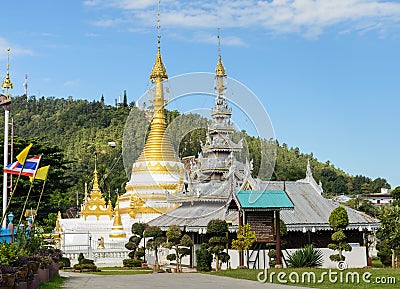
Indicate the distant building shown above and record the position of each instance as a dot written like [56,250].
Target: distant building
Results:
[381,199]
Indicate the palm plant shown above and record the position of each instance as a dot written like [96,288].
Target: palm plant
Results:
[306,257]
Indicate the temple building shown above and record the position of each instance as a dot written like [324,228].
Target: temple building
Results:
[162,191]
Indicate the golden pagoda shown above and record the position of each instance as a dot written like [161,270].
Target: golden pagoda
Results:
[117,230]
[157,172]
[95,204]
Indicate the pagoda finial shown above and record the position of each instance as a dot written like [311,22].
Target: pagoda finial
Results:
[219,43]
[220,69]
[158,71]
[95,177]
[158,25]
[7,84]
[86,193]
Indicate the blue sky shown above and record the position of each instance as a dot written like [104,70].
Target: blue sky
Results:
[326,71]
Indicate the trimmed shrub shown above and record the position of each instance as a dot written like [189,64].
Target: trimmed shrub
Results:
[64,262]
[87,261]
[203,258]
[132,263]
[86,267]
[171,257]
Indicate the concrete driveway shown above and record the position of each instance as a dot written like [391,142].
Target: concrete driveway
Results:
[159,281]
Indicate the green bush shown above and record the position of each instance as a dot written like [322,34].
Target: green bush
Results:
[171,257]
[384,253]
[139,253]
[9,252]
[85,264]
[64,262]
[86,267]
[306,257]
[132,263]
[80,257]
[203,258]
[87,261]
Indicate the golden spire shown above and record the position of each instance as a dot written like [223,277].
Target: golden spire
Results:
[158,145]
[96,192]
[117,230]
[7,84]
[219,70]
[158,70]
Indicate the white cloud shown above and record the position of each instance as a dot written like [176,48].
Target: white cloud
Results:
[309,18]
[205,37]
[71,83]
[15,50]
[107,22]
[120,4]
[92,35]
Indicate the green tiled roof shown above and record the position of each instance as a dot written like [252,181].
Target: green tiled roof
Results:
[269,199]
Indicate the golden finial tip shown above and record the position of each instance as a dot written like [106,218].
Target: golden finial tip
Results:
[8,49]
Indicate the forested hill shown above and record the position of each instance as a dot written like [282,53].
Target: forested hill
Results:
[76,129]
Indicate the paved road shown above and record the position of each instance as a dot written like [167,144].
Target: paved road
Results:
[160,281]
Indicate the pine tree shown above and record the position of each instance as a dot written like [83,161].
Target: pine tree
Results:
[125,103]
[102,101]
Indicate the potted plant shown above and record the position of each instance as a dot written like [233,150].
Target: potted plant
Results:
[8,275]
[21,264]
[45,261]
[33,267]
[33,264]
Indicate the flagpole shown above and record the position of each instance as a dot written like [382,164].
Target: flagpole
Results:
[40,198]
[6,102]
[3,218]
[26,201]
[6,120]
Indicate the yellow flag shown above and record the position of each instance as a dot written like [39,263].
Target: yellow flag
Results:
[21,157]
[41,174]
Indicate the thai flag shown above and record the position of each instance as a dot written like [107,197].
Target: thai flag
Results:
[31,165]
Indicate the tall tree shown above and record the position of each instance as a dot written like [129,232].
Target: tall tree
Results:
[389,232]
[125,101]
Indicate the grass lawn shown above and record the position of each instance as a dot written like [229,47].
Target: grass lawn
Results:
[376,263]
[55,283]
[391,277]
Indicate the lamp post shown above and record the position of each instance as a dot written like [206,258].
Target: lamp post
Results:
[11,226]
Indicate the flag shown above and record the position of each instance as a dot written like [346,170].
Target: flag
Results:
[21,157]
[30,167]
[41,174]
